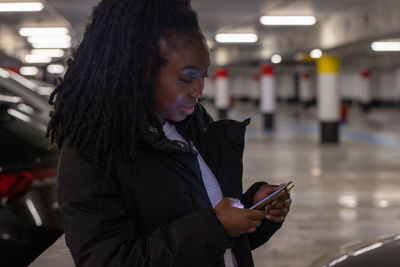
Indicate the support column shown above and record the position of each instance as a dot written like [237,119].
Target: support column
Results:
[328,98]
[365,90]
[287,87]
[222,93]
[267,101]
[255,89]
[306,90]
[208,91]
[397,88]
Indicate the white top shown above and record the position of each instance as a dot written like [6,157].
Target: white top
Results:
[210,182]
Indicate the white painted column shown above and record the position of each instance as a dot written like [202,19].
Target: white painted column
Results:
[267,101]
[328,98]
[208,91]
[306,90]
[365,90]
[222,96]
[246,93]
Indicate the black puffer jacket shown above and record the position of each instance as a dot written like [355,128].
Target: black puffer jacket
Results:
[159,214]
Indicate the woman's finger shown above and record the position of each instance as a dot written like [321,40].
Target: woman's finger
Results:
[278,212]
[278,219]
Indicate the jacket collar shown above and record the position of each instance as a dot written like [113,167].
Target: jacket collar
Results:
[191,129]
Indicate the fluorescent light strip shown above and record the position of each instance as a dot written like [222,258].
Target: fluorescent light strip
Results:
[21,7]
[32,31]
[29,71]
[37,59]
[288,20]
[236,37]
[52,45]
[48,52]
[55,69]
[386,46]
[49,39]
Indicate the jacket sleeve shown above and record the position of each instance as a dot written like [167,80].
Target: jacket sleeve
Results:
[267,228]
[99,231]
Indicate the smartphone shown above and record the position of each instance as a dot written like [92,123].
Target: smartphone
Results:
[273,196]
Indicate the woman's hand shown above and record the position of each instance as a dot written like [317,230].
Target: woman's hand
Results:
[279,210]
[237,221]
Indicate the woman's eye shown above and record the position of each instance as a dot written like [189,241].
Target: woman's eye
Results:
[184,81]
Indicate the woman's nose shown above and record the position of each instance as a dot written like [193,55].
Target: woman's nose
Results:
[197,89]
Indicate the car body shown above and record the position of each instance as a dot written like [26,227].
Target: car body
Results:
[43,88]
[379,251]
[29,217]
[14,85]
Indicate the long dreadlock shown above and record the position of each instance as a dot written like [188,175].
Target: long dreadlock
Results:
[110,81]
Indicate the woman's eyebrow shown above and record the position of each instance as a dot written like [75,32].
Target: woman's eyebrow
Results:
[189,69]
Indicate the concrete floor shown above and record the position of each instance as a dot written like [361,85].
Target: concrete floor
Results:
[343,192]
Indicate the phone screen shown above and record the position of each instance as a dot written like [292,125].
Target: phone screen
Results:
[273,196]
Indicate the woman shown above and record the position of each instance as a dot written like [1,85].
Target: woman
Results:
[144,172]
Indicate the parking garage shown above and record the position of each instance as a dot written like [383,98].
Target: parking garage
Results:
[319,80]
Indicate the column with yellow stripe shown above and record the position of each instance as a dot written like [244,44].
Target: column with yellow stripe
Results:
[328,67]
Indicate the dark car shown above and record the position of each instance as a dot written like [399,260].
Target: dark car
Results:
[29,218]
[15,85]
[376,252]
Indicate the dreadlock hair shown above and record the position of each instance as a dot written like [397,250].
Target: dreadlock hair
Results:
[110,81]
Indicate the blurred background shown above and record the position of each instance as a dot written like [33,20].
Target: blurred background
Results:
[320,80]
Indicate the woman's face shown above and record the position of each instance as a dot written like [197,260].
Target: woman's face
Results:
[180,82]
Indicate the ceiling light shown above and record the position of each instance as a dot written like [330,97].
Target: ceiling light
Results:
[236,37]
[288,20]
[48,52]
[386,46]
[55,69]
[21,7]
[276,59]
[52,45]
[316,53]
[37,59]
[29,71]
[49,39]
[43,31]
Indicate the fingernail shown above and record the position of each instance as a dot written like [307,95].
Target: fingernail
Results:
[268,217]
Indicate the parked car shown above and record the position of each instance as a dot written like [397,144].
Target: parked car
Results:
[29,217]
[43,88]
[13,84]
[376,252]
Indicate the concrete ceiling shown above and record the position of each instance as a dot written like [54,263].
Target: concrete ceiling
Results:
[238,15]
[217,15]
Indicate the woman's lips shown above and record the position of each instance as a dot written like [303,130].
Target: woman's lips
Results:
[188,111]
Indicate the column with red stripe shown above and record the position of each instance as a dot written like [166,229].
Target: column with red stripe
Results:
[307,94]
[222,96]
[267,96]
[365,90]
